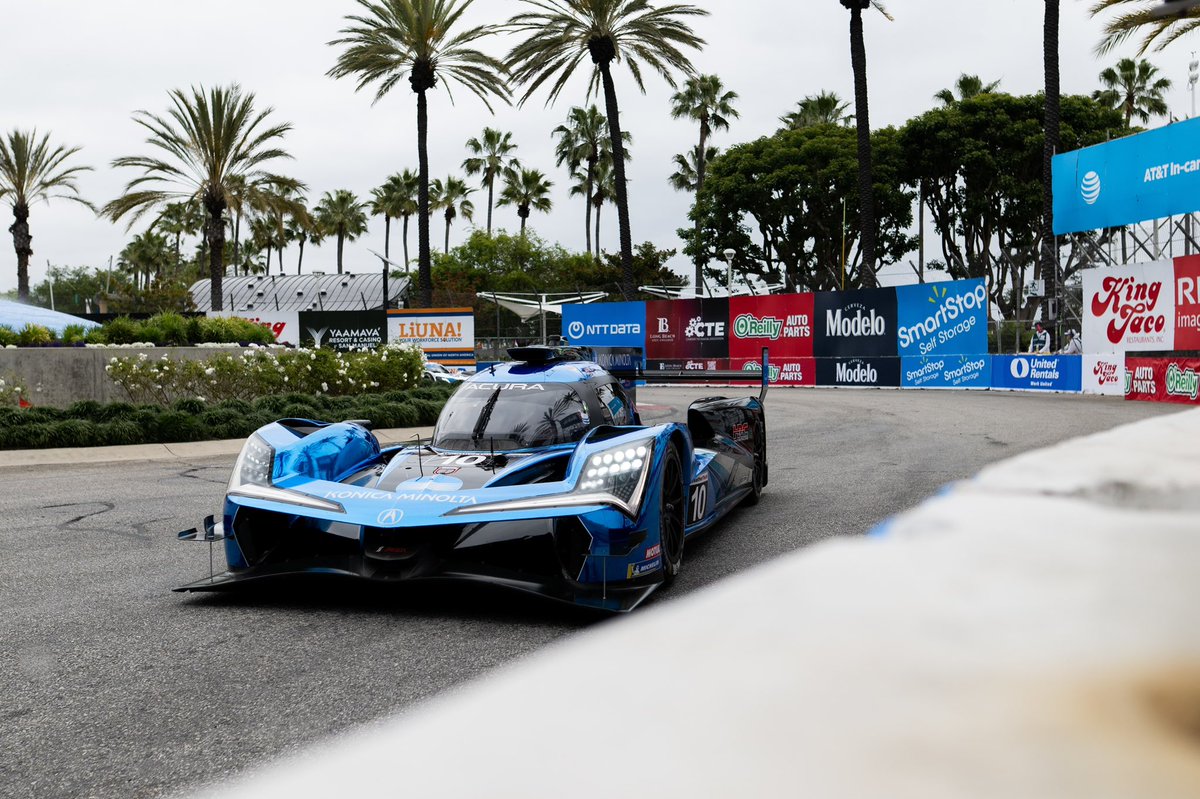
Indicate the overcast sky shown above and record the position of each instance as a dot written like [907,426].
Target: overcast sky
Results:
[79,68]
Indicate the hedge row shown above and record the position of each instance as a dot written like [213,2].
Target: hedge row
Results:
[163,330]
[91,424]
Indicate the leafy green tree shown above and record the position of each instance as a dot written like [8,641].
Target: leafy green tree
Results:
[687,171]
[1136,18]
[340,214]
[145,258]
[1134,88]
[980,163]
[33,171]
[582,143]
[704,99]
[822,108]
[778,202]
[965,88]
[491,158]
[206,139]
[418,40]
[528,190]
[450,197]
[866,177]
[559,34]
[76,290]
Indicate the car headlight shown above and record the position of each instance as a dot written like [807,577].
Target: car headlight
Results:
[252,478]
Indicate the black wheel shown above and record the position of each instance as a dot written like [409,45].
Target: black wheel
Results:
[759,478]
[672,504]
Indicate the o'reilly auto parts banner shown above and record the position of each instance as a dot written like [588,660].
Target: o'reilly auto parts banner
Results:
[880,372]
[686,330]
[1163,380]
[948,318]
[1154,306]
[606,324]
[446,335]
[781,322]
[345,331]
[1037,373]
[947,371]
[855,323]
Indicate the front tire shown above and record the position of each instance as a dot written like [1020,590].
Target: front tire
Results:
[671,506]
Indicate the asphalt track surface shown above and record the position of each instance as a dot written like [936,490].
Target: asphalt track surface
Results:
[112,686]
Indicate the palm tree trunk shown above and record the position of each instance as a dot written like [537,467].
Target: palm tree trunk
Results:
[587,201]
[448,222]
[341,243]
[387,237]
[300,260]
[23,243]
[491,197]
[866,179]
[618,148]
[701,167]
[406,244]
[598,207]
[1049,256]
[425,261]
[215,236]
[523,212]
[237,241]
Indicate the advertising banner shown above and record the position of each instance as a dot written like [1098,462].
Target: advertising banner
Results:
[605,324]
[285,325]
[781,322]
[697,365]
[1104,374]
[948,318]
[446,335]
[1163,380]
[855,323]
[1147,176]
[687,329]
[859,372]
[1038,373]
[1187,303]
[947,371]
[1129,308]
[783,371]
[345,331]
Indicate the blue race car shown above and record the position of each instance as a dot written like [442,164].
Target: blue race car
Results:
[540,477]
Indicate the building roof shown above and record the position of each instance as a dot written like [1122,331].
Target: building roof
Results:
[313,292]
[16,315]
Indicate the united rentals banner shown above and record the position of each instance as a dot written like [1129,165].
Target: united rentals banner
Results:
[948,318]
[446,335]
[1143,307]
[1063,373]
[1147,176]
[1163,380]
[855,323]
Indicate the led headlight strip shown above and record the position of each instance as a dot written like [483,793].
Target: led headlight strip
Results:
[252,479]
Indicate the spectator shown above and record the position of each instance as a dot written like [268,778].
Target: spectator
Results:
[1073,346]
[1040,343]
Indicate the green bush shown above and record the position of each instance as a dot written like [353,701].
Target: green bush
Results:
[167,330]
[34,336]
[74,334]
[8,336]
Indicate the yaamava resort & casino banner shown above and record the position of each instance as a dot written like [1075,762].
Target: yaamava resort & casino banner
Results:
[446,335]
[1143,307]
[1163,380]
[345,331]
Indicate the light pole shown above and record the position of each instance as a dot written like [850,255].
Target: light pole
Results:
[729,254]
[1193,77]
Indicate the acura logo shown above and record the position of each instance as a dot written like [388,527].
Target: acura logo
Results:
[390,517]
[1090,188]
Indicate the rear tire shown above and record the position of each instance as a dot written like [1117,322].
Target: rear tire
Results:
[759,478]
[671,506]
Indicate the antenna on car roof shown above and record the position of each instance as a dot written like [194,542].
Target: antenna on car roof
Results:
[492,446]
[420,463]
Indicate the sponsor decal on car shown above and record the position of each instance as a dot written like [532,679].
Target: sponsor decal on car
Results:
[644,568]
[654,551]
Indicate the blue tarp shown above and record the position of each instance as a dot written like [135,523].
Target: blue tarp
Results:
[16,315]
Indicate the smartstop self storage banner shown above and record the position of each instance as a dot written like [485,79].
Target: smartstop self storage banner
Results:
[942,319]
[1163,380]
[947,371]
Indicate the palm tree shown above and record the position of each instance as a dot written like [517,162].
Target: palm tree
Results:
[583,142]
[604,189]
[967,86]
[528,190]
[823,108]
[492,157]
[302,227]
[1137,17]
[341,214]
[1048,252]
[32,171]
[687,170]
[451,199]
[178,219]
[704,99]
[561,33]
[866,179]
[143,258]
[415,40]
[383,203]
[1131,86]
[208,138]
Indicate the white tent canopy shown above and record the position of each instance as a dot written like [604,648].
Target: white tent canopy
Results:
[527,306]
[16,315]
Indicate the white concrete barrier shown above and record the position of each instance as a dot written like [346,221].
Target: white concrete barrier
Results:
[1034,632]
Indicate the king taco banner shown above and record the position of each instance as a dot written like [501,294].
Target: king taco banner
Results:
[1144,307]
[1104,374]
[1163,380]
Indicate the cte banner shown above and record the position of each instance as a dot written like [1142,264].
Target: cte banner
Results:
[687,329]
[445,335]
[1154,306]
[1062,373]
[1163,380]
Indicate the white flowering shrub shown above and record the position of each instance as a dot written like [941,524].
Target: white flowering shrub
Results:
[11,391]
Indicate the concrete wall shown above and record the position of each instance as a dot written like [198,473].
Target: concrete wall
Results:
[58,376]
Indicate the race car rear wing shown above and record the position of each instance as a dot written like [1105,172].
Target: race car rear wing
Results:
[763,373]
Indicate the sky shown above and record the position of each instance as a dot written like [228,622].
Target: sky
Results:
[79,69]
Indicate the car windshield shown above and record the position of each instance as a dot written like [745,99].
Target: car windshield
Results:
[504,416]
[435,367]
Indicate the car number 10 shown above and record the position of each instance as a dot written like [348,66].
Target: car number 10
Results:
[697,502]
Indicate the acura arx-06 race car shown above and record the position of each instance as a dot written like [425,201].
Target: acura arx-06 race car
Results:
[540,477]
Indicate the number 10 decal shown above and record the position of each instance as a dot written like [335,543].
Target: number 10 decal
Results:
[698,502]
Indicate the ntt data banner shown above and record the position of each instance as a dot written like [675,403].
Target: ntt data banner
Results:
[948,318]
[1147,176]
[446,335]
[1154,306]
[606,324]
[1038,373]
[948,371]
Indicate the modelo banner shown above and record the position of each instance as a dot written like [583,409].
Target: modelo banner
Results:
[858,372]
[687,329]
[1154,306]
[1038,373]
[606,324]
[284,325]
[445,335]
[1163,380]
[947,371]
[1104,374]
[948,318]
[1148,176]
[855,323]
[345,331]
